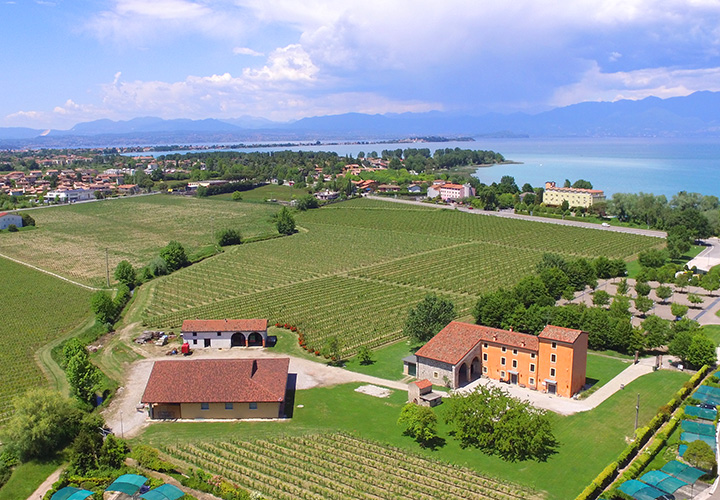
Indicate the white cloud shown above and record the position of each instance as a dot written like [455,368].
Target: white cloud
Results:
[246,51]
[637,84]
[289,63]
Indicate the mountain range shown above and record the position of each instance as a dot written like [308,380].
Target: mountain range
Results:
[695,115]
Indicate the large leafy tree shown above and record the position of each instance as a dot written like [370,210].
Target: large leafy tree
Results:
[701,351]
[420,423]
[42,423]
[125,273]
[285,222]
[83,377]
[496,424]
[430,316]
[174,256]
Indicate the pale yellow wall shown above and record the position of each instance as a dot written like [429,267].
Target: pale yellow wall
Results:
[240,410]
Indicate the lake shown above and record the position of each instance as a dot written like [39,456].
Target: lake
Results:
[651,165]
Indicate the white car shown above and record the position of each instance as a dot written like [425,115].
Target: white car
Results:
[605,224]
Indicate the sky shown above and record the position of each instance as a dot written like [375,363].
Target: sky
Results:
[64,62]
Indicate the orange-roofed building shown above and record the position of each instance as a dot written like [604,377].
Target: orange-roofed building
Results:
[552,362]
[225,333]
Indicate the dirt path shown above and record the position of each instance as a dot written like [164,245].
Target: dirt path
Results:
[46,485]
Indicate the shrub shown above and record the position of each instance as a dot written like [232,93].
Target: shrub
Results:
[149,458]
[12,228]
[228,237]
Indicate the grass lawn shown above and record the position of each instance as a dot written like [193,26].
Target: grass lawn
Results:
[27,477]
[72,240]
[268,192]
[713,331]
[601,369]
[633,267]
[386,362]
[588,441]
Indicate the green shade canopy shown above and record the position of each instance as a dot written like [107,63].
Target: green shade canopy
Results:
[698,428]
[164,492]
[127,483]
[70,493]
[704,413]
[663,481]
[682,471]
[641,491]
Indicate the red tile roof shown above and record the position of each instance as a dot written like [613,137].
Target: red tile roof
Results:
[560,334]
[3,214]
[457,339]
[224,325]
[423,384]
[218,381]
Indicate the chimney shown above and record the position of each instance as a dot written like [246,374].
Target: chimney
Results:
[511,329]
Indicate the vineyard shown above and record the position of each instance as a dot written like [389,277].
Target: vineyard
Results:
[71,240]
[35,309]
[355,268]
[340,466]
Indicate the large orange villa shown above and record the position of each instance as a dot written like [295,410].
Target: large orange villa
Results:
[552,362]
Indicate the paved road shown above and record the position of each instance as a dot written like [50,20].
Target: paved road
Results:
[709,257]
[508,214]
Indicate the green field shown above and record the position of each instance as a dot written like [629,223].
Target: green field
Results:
[355,268]
[268,192]
[71,240]
[36,308]
[588,441]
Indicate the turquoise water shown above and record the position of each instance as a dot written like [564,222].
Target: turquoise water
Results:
[651,165]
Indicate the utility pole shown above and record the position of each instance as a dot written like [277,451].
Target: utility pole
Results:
[107,268]
[637,411]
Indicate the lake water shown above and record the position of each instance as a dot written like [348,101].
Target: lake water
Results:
[651,165]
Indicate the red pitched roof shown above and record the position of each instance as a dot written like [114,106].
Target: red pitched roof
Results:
[3,214]
[560,334]
[224,325]
[457,339]
[423,384]
[217,381]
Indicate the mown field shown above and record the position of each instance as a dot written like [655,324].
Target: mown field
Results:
[35,308]
[355,268]
[71,240]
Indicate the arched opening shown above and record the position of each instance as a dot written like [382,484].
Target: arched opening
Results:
[475,369]
[237,340]
[463,374]
[255,339]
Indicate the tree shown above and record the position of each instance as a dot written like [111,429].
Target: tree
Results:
[679,240]
[84,452]
[682,281]
[426,319]
[652,258]
[622,287]
[333,349]
[174,256]
[699,454]
[620,307]
[532,290]
[642,289]
[42,423]
[643,304]
[601,298]
[228,237]
[678,310]
[582,184]
[496,424]
[604,267]
[420,423]
[657,331]
[695,299]
[663,293]
[113,452]
[710,282]
[556,281]
[285,222]
[125,273]
[27,220]
[236,196]
[12,228]
[701,351]
[565,206]
[306,202]
[364,355]
[103,307]
[83,377]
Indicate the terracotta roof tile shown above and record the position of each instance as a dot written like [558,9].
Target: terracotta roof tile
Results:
[560,334]
[224,325]
[457,339]
[423,384]
[217,381]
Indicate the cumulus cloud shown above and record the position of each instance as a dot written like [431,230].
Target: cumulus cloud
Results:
[289,63]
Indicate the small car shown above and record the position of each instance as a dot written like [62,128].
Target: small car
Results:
[707,406]
[605,224]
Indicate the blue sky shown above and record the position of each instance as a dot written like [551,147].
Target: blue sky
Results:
[64,62]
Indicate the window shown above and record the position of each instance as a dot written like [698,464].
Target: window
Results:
[194,334]
[228,406]
[502,361]
[554,345]
[485,345]
[532,367]
[553,358]
[515,352]
[436,375]
[552,372]
[502,374]
[194,341]
[253,406]
[204,406]
[484,369]
[504,349]
[532,381]
[484,356]
[219,334]
[514,363]
[532,355]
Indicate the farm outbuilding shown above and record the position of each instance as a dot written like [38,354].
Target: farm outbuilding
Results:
[217,388]
[7,219]
[225,333]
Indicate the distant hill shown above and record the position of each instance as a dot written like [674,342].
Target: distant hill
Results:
[696,115]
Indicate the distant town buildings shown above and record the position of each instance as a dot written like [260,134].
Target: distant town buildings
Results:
[576,197]
[447,191]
